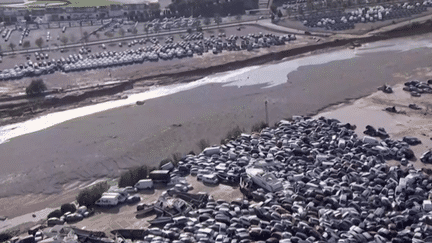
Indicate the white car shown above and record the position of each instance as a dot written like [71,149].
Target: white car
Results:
[144,184]
[130,189]
[210,179]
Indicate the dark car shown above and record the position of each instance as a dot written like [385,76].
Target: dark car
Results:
[133,199]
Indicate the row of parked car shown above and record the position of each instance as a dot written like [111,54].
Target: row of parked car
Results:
[346,20]
[116,196]
[182,49]
[69,217]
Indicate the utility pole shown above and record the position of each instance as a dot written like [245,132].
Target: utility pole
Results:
[266,111]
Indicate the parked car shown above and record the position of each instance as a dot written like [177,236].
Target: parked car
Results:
[38,236]
[108,201]
[130,189]
[133,199]
[54,221]
[210,179]
[74,217]
[144,184]
[194,171]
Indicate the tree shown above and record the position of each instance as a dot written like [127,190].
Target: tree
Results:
[121,32]
[88,196]
[218,19]
[279,13]
[72,38]
[64,40]
[26,44]
[36,87]
[207,21]
[300,11]
[164,162]
[146,29]
[85,36]
[238,17]
[12,46]
[176,157]
[134,31]
[55,214]
[109,34]
[132,176]
[39,42]
[273,8]
[309,4]
[97,35]
[156,28]
[67,207]
[203,143]
[189,30]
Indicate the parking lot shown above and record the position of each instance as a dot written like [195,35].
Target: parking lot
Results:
[58,52]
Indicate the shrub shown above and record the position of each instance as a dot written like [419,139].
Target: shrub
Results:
[233,133]
[163,162]
[191,152]
[36,87]
[88,196]
[176,157]
[152,169]
[203,143]
[67,207]
[257,127]
[55,214]
[132,176]
[4,236]
[109,34]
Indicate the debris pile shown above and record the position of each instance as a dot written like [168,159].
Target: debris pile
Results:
[426,157]
[386,89]
[416,88]
[318,182]
[306,180]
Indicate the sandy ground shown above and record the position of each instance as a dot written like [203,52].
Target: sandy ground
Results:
[369,111]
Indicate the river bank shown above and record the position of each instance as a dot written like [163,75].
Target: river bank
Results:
[103,144]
